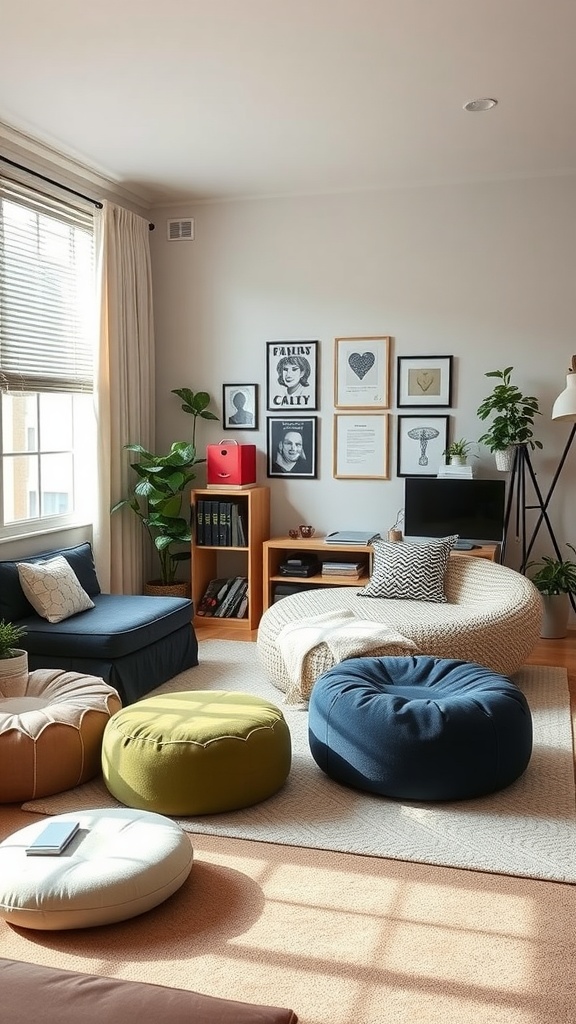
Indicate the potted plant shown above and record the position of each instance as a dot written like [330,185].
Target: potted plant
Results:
[513,420]
[457,452]
[13,660]
[158,493]
[555,578]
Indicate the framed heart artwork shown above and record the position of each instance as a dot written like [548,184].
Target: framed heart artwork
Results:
[362,373]
[425,380]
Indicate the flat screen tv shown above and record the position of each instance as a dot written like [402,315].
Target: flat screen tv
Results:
[440,506]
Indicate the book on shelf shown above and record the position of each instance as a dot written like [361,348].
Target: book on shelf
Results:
[458,472]
[200,522]
[231,597]
[363,537]
[212,597]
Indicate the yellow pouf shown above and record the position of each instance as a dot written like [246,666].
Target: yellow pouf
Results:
[51,733]
[198,752]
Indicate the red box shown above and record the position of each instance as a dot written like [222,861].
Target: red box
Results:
[229,464]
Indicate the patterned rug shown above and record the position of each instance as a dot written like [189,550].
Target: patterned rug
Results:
[528,829]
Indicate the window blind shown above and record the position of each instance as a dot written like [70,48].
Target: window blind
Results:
[47,300]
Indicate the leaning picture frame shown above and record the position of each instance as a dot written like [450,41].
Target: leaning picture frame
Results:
[362,372]
[292,446]
[424,381]
[292,377]
[421,443]
[360,446]
[240,406]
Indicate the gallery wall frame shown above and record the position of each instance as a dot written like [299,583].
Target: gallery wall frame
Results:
[362,372]
[420,444]
[291,377]
[292,447]
[240,406]
[424,381]
[361,446]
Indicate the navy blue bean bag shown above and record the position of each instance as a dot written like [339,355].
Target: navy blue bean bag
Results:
[419,728]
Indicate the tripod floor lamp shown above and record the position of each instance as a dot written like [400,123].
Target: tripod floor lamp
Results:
[564,408]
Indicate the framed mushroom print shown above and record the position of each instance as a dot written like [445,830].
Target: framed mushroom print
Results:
[421,443]
[424,380]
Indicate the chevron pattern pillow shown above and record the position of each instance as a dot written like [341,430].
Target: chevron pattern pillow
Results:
[409,570]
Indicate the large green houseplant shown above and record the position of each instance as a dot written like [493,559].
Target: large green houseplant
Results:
[161,482]
[513,414]
[555,578]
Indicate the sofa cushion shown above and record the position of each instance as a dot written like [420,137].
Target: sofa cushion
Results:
[29,989]
[53,588]
[13,602]
[119,624]
[409,571]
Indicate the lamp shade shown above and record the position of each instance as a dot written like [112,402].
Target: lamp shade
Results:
[565,405]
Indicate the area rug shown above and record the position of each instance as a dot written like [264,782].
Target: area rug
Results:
[527,830]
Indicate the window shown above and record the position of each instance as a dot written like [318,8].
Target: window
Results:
[47,333]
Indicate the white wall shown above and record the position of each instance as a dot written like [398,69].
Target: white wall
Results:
[484,272]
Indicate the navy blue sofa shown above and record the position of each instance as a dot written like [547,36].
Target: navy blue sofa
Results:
[133,642]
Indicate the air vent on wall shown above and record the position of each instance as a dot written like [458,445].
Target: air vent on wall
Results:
[180,230]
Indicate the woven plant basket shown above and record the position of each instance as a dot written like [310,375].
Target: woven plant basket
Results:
[155,588]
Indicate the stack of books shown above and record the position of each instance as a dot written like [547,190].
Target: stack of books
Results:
[225,598]
[220,524]
[352,569]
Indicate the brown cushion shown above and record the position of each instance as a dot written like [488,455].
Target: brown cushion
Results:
[28,989]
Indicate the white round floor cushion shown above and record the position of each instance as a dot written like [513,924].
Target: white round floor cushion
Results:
[121,863]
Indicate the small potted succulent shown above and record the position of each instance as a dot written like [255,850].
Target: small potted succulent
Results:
[13,660]
[457,452]
[555,578]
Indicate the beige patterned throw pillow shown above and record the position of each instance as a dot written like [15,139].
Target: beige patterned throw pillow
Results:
[53,588]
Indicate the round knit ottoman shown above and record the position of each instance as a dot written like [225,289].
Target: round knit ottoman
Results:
[197,752]
[419,728]
[51,734]
[120,863]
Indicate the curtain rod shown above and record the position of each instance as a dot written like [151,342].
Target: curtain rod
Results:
[73,192]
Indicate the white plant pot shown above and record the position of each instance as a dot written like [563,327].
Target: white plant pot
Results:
[505,459]
[14,675]
[556,615]
[457,460]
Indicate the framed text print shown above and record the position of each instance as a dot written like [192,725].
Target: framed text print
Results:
[292,376]
[425,380]
[361,446]
[362,373]
[421,443]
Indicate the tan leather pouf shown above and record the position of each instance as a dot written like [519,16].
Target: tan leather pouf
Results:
[197,752]
[51,734]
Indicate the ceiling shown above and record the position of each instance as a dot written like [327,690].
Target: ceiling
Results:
[215,99]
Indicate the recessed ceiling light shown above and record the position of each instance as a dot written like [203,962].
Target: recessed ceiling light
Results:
[483,104]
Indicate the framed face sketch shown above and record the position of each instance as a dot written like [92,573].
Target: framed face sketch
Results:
[292,447]
[425,380]
[421,443]
[292,376]
[240,406]
[362,373]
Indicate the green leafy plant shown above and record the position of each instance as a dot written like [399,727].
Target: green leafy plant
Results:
[10,636]
[158,493]
[554,575]
[514,414]
[458,449]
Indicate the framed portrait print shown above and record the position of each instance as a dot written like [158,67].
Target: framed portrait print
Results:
[240,406]
[421,442]
[360,447]
[292,447]
[362,373]
[291,377]
[424,380]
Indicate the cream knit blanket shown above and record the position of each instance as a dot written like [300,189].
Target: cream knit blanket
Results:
[346,635]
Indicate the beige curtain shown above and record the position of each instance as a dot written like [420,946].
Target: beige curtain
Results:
[124,392]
